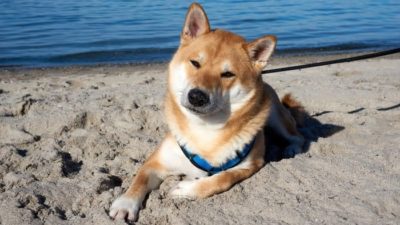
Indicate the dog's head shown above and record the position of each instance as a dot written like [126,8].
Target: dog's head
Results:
[215,72]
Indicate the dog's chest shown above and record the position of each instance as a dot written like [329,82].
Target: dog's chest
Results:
[212,146]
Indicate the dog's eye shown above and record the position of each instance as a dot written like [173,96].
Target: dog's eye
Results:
[227,74]
[195,63]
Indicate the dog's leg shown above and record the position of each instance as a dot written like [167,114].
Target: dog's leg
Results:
[282,122]
[208,186]
[148,178]
[166,160]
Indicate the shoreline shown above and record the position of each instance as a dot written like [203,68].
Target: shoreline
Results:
[277,60]
[89,58]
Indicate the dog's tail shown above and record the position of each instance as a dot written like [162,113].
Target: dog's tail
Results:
[295,108]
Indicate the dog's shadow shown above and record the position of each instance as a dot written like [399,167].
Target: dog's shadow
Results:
[312,130]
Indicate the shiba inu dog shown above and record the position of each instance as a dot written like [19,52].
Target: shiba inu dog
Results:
[216,107]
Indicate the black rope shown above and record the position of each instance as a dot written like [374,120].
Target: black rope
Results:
[336,61]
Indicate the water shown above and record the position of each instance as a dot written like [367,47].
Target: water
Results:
[37,33]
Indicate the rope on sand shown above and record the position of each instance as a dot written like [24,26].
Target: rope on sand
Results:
[336,61]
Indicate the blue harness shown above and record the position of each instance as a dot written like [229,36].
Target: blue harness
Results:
[202,164]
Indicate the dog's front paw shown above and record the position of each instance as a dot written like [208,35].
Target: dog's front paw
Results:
[125,208]
[184,189]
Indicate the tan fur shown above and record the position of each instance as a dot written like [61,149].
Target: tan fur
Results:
[296,109]
[141,183]
[245,104]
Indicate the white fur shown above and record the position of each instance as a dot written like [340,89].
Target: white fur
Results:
[179,81]
[226,65]
[211,122]
[173,158]
[184,189]
[239,97]
[125,207]
[202,57]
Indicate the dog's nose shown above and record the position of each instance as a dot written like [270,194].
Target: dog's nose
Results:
[198,98]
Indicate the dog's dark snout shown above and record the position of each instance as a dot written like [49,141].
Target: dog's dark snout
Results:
[198,98]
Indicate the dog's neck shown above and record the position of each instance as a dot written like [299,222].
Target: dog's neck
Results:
[213,138]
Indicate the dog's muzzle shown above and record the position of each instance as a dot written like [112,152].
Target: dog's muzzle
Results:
[198,98]
[199,101]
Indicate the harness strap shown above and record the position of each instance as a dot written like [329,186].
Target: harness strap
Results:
[202,164]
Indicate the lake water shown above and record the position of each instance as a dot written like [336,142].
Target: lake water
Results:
[37,33]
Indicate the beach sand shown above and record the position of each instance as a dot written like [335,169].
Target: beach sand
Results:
[72,138]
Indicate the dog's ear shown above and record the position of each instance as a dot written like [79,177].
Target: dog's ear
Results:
[260,50]
[196,23]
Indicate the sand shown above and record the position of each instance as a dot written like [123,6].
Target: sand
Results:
[72,138]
